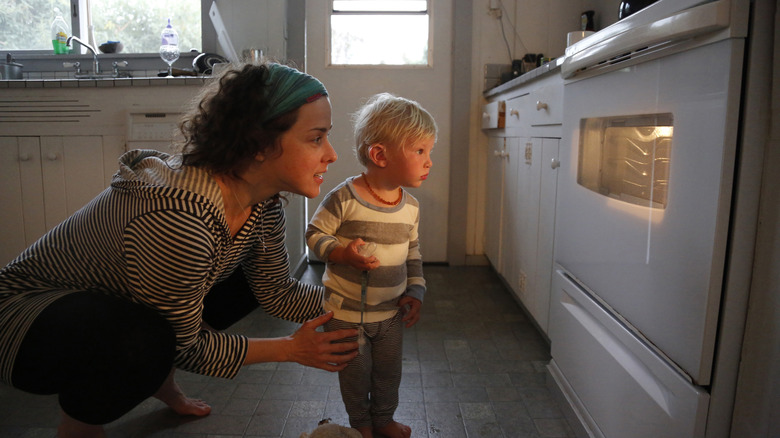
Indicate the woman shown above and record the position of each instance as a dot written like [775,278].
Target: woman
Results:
[106,305]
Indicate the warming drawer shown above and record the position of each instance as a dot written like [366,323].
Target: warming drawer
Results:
[628,389]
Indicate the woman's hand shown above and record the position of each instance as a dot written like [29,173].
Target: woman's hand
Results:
[411,308]
[350,255]
[326,350]
[322,349]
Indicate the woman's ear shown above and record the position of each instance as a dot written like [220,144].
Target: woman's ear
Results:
[377,153]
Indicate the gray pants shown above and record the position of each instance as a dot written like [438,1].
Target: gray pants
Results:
[369,384]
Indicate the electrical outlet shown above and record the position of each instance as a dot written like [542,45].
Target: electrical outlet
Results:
[494,8]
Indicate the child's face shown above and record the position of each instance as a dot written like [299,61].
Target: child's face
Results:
[413,164]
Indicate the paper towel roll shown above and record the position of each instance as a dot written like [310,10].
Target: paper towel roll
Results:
[573,37]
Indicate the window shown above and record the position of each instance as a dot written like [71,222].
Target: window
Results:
[379,32]
[26,25]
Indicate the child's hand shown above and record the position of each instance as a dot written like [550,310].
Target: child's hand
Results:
[411,308]
[350,255]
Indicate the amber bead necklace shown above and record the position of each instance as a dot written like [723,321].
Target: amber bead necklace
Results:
[370,190]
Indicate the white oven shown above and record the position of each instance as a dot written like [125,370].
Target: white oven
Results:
[644,202]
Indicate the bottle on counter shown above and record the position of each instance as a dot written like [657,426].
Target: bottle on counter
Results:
[169,46]
[60,31]
[587,21]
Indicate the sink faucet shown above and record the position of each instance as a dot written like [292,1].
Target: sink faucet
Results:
[92,49]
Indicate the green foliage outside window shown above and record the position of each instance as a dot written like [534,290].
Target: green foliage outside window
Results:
[26,24]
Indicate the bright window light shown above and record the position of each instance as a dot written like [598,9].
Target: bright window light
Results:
[374,32]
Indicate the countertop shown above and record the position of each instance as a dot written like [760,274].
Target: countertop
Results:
[548,68]
[96,83]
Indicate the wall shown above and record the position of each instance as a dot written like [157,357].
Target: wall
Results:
[529,27]
[758,391]
[350,86]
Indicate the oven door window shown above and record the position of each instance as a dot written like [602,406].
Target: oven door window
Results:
[627,157]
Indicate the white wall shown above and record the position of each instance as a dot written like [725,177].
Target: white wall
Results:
[349,87]
[530,26]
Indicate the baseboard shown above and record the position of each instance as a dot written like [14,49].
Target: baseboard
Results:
[569,403]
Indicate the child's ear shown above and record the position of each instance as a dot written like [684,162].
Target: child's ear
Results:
[377,153]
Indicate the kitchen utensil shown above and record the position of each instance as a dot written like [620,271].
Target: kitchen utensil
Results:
[252,56]
[628,7]
[111,47]
[10,69]
[204,63]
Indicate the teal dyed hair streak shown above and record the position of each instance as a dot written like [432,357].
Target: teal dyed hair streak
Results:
[289,89]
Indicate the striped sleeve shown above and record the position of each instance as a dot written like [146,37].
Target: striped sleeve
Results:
[168,253]
[324,225]
[268,271]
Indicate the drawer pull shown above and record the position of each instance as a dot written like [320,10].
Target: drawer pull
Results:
[540,105]
[24,157]
[514,112]
[555,163]
[52,156]
[485,115]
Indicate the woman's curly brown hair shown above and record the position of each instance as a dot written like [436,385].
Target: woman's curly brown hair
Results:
[223,131]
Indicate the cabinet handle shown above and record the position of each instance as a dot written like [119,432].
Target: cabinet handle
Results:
[514,112]
[24,157]
[555,163]
[52,156]
[485,115]
[540,105]
[501,154]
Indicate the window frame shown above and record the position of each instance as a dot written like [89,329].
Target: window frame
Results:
[79,28]
[427,12]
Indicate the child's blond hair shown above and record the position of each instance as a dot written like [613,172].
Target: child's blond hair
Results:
[391,120]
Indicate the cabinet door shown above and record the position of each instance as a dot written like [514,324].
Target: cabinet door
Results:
[494,200]
[522,218]
[547,198]
[21,195]
[73,174]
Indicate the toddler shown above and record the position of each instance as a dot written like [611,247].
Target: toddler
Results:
[366,230]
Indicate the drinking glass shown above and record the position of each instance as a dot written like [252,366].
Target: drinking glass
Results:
[169,53]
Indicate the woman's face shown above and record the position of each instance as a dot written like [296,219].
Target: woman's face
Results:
[306,151]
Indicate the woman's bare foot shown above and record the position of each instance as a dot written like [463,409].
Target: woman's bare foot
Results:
[170,394]
[394,429]
[71,428]
[366,431]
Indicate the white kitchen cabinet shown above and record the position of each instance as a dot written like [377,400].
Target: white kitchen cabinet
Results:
[521,191]
[527,221]
[494,204]
[45,179]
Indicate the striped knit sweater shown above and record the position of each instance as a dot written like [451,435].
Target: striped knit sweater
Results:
[342,217]
[157,236]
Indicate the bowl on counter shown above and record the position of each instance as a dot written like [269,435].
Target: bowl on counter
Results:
[111,47]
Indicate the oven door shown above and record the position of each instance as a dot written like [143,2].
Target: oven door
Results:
[647,164]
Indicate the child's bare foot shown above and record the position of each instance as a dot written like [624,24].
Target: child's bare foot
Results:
[170,394]
[365,432]
[394,429]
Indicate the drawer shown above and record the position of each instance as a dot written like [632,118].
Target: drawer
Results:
[546,105]
[517,112]
[493,115]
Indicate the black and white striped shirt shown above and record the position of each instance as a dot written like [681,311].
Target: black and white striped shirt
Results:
[157,236]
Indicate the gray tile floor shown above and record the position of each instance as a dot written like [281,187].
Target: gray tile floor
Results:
[474,366]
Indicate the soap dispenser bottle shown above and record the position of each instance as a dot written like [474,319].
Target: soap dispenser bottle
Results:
[60,31]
